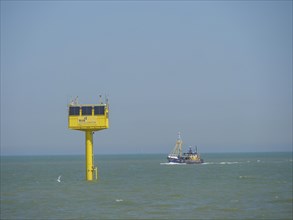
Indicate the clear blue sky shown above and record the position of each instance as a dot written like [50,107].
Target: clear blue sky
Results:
[218,71]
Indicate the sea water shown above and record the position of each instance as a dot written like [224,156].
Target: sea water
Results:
[226,186]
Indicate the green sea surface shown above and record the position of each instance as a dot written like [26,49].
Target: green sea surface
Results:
[226,186]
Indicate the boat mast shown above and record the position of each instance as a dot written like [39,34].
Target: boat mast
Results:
[179,144]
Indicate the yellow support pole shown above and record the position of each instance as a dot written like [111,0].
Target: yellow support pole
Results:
[89,155]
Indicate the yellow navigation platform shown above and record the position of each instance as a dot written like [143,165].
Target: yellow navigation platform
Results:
[88,118]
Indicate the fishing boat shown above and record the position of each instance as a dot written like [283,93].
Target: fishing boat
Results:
[176,156]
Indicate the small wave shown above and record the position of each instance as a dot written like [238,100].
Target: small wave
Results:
[228,163]
[247,177]
[59,179]
[119,200]
[234,200]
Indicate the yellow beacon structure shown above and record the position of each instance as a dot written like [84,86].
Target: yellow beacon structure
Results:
[88,118]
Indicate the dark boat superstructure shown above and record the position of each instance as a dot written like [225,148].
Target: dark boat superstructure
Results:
[176,156]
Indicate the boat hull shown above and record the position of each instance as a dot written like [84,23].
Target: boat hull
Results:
[175,160]
[184,160]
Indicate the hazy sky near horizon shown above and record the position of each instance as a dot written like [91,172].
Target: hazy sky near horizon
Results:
[220,72]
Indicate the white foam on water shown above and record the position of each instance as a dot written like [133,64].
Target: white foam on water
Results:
[242,177]
[246,177]
[172,163]
[59,179]
[207,163]
[228,163]
[119,200]
[220,163]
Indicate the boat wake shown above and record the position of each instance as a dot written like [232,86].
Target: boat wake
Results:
[221,163]
[228,163]
[172,163]
[205,163]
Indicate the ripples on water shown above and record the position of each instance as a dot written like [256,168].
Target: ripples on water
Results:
[226,186]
